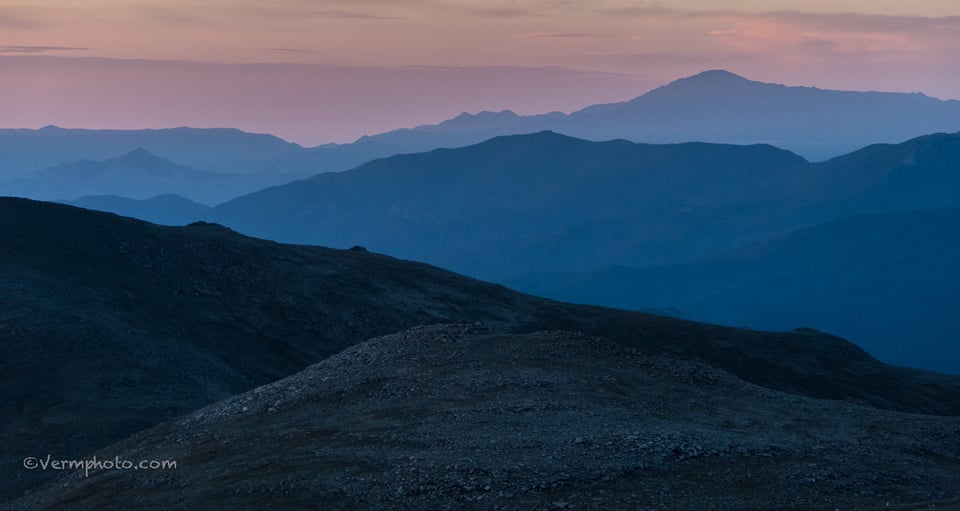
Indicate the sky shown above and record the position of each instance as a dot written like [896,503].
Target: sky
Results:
[315,71]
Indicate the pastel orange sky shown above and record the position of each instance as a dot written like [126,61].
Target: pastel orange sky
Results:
[321,71]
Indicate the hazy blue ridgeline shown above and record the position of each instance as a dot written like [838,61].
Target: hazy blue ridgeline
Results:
[551,214]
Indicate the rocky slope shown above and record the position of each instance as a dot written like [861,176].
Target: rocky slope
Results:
[458,417]
[110,325]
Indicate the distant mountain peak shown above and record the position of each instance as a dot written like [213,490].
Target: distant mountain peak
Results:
[935,146]
[716,75]
[139,156]
[488,114]
[140,153]
[715,82]
[533,139]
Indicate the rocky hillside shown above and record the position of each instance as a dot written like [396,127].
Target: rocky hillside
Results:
[110,325]
[458,417]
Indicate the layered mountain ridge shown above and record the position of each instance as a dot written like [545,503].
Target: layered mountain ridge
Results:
[713,106]
[721,107]
[301,376]
[137,175]
[515,208]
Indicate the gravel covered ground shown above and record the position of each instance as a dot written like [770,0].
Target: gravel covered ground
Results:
[456,416]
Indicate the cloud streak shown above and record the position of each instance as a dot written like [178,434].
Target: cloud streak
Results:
[38,49]
[846,21]
[288,51]
[560,36]
[345,14]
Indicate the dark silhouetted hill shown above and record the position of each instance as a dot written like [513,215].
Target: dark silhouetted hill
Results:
[109,325]
[167,209]
[458,417]
[921,173]
[548,202]
[888,282]
[532,202]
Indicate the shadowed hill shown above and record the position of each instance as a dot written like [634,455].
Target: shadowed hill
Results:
[455,416]
[167,209]
[887,282]
[921,173]
[138,174]
[109,325]
[532,202]
[548,202]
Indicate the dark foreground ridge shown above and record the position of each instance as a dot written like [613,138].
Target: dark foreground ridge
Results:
[109,326]
[454,417]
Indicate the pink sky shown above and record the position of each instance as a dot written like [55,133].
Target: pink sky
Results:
[317,71]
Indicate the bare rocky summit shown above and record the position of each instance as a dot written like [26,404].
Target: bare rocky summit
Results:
[459,417]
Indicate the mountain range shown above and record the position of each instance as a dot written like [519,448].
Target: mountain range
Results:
[112,325]
[713,106]
[23,151]
[549,202]
[550,214]
[136,175]
[520,203]
[782,261]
